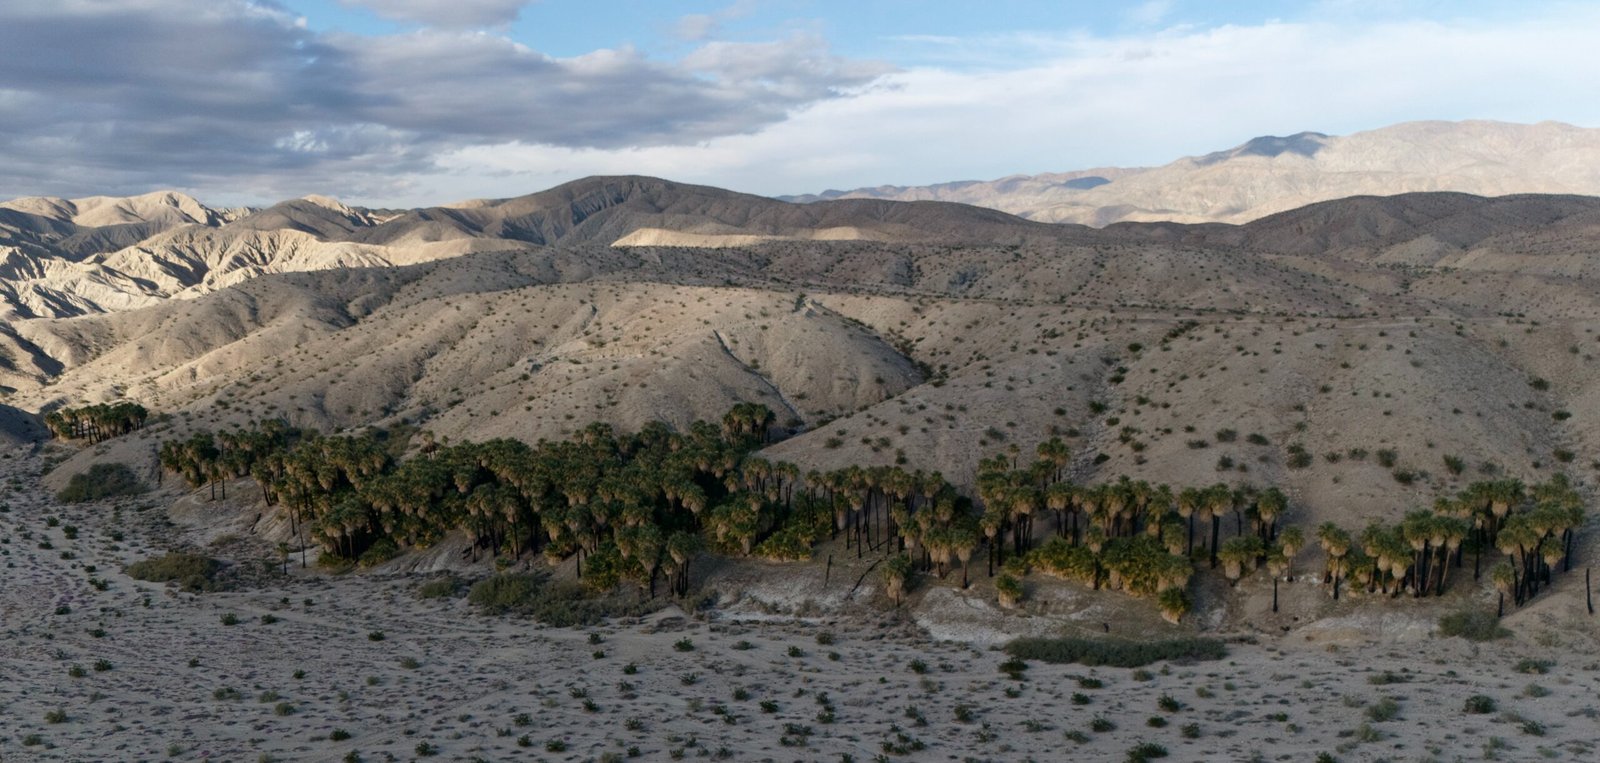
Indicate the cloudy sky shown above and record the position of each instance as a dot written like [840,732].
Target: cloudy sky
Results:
[410,102]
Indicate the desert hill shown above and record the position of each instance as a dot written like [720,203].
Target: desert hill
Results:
[1175,353]
[1271,174]
[58,260]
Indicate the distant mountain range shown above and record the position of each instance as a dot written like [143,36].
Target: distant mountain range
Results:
[67,257]
[1273,174]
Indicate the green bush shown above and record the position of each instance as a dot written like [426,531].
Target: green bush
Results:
[1534,666]
[1115,652]
[101,481]
[505,594]
[1385,709]
[381,551]
[1146,751]
[1472,625]
[1480,704]
[443,588]
[562,605]
[191,571]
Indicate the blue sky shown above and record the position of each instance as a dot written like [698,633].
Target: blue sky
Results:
[906,32]
[403,102]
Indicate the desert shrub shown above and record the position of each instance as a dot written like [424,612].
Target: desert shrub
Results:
[560,604]
[191,571]
[1480,704]
[790,544]
[381,551]
[503,594]
[1534,666]
[1146,751]
[442,588]
[1385,709]
[1115,652]
[101,481]
[1472,625]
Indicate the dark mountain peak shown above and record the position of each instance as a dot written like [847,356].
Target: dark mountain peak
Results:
[1302,143]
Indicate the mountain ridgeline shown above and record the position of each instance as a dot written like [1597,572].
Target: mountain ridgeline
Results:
[1271,174]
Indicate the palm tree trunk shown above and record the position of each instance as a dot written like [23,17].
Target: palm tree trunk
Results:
[1444,570]
[1418,573]
[1216,527]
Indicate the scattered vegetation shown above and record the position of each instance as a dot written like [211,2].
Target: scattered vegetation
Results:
[1115,652]
[104,480]
[192,572]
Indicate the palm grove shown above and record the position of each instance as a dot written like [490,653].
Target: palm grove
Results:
[640,507]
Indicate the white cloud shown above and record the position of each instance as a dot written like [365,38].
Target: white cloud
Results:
[447,14]
[112,98]
[698,27]
[1134,100]
[227,99]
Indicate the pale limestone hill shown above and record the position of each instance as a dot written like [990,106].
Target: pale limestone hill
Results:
[54,265]
[164,207]
[1272,174]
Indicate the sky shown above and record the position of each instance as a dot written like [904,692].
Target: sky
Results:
[415,102]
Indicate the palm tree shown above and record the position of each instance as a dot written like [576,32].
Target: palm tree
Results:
[1009,590]
[1505,579]
[1189,501]
[1335,543]
[1174,604]
[1270,505]
[681,548]
[1239,555]
[964,540]
[896,573]
[1291,540]
[1219,500]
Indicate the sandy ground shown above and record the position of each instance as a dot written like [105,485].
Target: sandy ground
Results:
[304,676]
